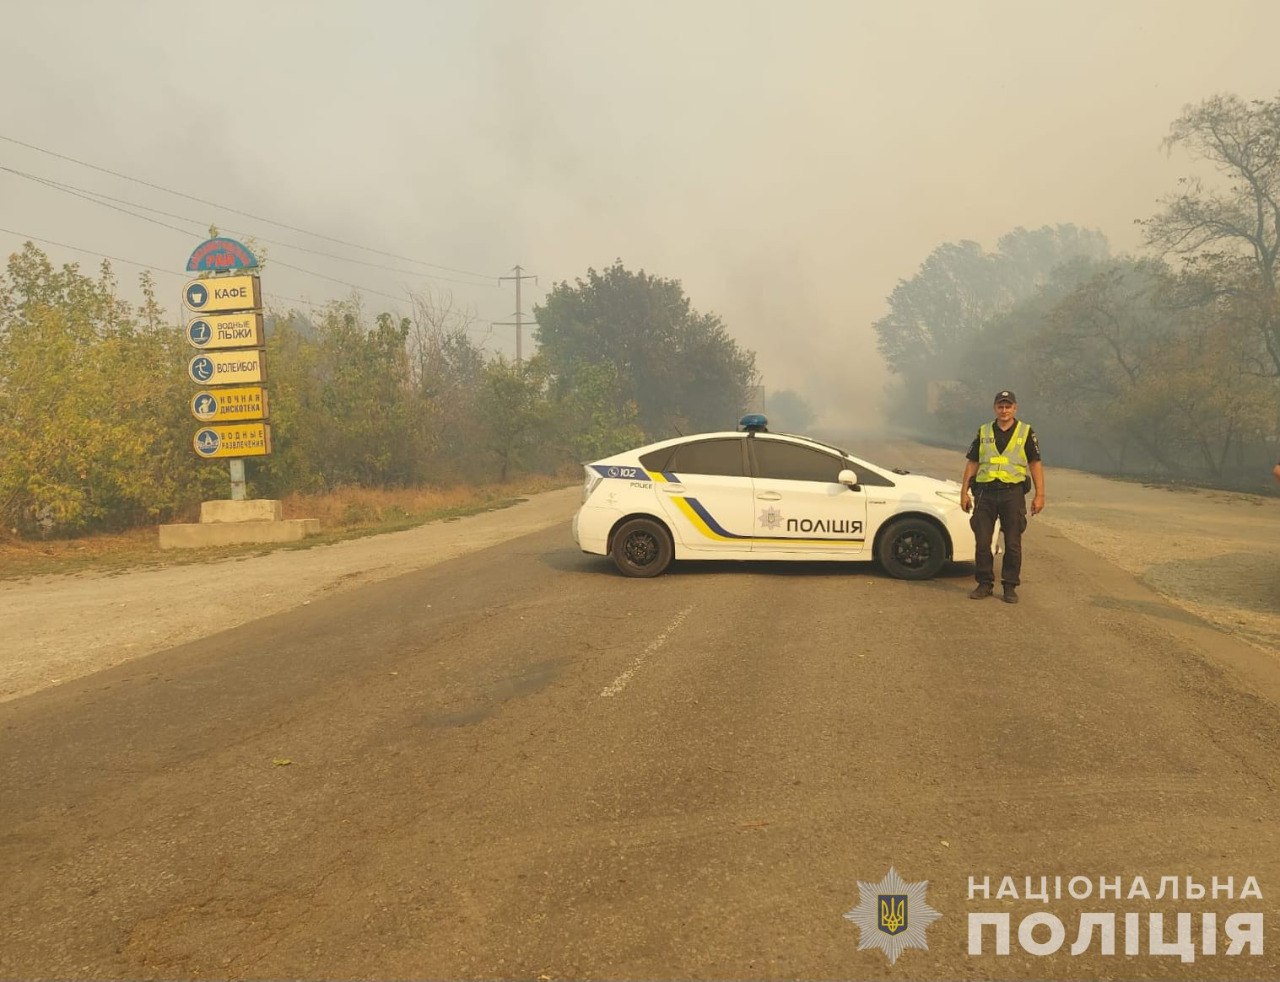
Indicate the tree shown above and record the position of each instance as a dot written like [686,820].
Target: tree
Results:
[589,423]
[789,411]
[1091,358]
[936,318]
[439,342]
[512,412]
[296,461]
[93,404]
[933,314]
[350,387]
[1128,371]
[1008,350]
[447,369]
[1030,259]
[1186,383]
[1230,231]
[677,368]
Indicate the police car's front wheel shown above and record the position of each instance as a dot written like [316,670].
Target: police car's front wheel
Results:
[912,549]
[641,547]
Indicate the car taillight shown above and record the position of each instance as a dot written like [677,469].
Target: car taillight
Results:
[589,485]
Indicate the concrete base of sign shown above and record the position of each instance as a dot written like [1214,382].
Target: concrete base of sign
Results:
[251,510]
[226,523]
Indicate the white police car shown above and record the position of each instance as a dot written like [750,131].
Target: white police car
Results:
[752,494]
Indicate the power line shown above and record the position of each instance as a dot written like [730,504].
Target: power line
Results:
[183,231]
[90,252]
[76,194]
[237,211]
[99,198]
[183,275]
[132,262]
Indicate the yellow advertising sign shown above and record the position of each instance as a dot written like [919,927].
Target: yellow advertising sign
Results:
[230,405]
[222,293]
[227,368]
[226,331]
[233,440]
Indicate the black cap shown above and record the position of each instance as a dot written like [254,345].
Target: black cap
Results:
[1004,395]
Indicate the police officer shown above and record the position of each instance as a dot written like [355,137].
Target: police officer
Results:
[999,461]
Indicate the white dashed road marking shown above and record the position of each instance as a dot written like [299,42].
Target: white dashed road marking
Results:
[620,683]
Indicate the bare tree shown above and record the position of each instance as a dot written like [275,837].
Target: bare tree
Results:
[447,368]
[437,324]
[1231,230]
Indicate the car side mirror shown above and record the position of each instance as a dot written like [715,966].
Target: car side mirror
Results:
[848,478]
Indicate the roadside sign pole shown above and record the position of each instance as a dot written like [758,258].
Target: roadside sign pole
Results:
[236,464]
[237,478]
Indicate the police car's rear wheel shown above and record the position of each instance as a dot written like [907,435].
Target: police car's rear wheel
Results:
[641,547]
[912,549]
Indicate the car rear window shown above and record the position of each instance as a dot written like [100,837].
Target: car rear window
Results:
[656,460]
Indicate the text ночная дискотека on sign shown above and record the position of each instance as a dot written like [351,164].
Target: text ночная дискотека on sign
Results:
[236,405]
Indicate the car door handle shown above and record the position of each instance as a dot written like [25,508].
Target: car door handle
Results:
[769,496]
[672,488]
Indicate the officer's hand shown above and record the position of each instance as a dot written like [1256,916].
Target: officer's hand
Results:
[965,502]
[1037,504]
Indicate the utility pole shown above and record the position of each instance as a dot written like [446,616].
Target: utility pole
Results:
[518,323]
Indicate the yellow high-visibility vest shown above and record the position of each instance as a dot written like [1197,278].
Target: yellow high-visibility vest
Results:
[1010,466]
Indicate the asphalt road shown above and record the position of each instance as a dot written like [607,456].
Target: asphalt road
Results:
[519,764]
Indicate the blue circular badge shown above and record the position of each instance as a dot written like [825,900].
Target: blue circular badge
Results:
[199,333]
[204,405]
[202,368]
[197,295]
[207,442]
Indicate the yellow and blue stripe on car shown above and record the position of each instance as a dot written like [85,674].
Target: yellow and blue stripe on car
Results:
[700,518]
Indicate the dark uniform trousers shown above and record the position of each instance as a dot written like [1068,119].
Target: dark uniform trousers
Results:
[1007,502]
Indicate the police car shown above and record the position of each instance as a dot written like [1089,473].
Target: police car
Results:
[752,494]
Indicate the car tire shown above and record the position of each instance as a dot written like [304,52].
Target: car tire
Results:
[641,547]
[912,549]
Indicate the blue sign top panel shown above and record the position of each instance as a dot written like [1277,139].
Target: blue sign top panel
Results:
[218,255]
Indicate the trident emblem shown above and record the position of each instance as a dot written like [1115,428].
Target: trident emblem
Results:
[893,913]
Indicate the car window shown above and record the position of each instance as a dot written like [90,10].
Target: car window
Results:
[868,477]
[656,460]
[721,457]
[791,462]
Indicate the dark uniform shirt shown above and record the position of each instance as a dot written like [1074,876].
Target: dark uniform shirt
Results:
[1002,440]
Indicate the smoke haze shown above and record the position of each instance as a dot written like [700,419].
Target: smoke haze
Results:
[788,163]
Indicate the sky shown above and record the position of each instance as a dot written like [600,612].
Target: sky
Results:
[789,163]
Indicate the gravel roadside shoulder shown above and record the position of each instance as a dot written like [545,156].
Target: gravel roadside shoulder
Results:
[57,628]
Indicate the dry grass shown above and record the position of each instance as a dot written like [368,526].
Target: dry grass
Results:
[359,507]
[346,513]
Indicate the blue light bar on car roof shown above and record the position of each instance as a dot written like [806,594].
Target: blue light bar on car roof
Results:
[754,423]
